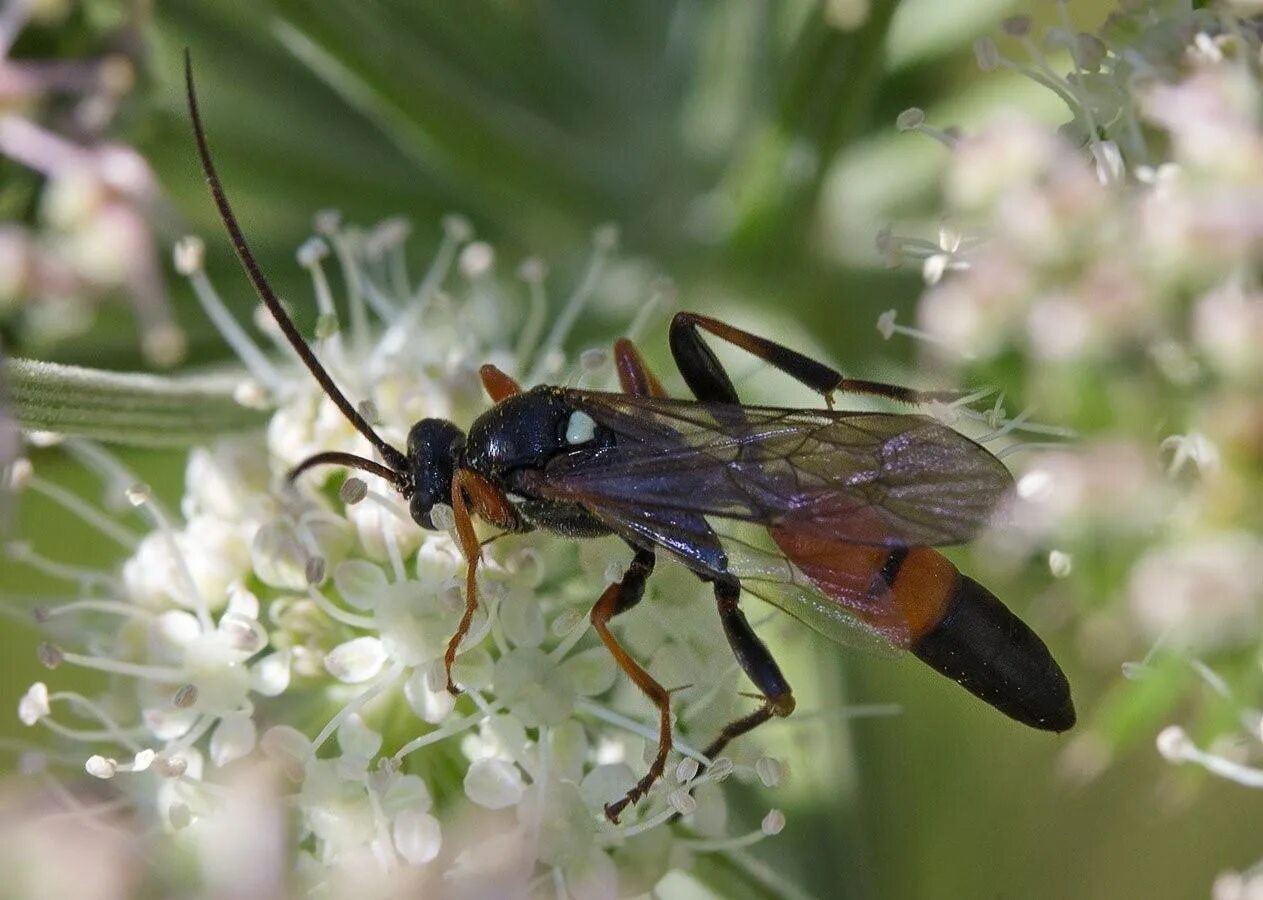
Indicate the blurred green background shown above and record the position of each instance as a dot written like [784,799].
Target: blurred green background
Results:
[747,151]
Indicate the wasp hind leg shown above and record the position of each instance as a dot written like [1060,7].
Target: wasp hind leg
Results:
[618,598]
[634,375]
[709,382]
[756,661]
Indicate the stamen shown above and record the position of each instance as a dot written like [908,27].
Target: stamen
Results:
[110,607]
[393,235]
[117,477]
[618,720]
[1027,446]
[85,511]
[456,232]
[533,271]
[327,327]
[587,371]
[1075,84]
[392,545]
[192,736]
[604,241]
[913,119]
[392,506]
[162,674]
[887,328]
[355,291]
[699,845]
[572,636]
[335,612]
[141,497]
[189,256]
[111,732]
[449,729]
[388,678]
[23,552]
[648,824]
[1176,746]
[663,293]
[1007,425]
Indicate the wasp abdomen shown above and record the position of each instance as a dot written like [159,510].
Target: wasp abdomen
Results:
[993,654]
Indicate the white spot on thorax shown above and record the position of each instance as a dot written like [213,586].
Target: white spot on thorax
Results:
[580,429]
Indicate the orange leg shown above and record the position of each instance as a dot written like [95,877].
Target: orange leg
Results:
[618,598]
[634,376]
[471,489]
[498,385]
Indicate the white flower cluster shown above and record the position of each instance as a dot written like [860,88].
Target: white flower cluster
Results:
[1109,273]
[99,198]
[305,626]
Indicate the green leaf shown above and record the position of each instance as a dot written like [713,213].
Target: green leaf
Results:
[125,408]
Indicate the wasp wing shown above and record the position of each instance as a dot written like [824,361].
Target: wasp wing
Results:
[859,477]
[853,609]
[737,491]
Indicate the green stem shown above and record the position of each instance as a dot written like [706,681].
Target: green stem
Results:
[736,873]
[826,101]
[124,408]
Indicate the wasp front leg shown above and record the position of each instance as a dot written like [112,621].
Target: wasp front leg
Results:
[473,493]
[498,385]
[756,661]
[619,598]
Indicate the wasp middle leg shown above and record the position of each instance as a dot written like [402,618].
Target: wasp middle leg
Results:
[756,661]
[709,382]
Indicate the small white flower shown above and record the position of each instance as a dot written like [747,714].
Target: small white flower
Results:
[34,704]
[232,739]
[287,747]
[1174,744]
[769,771]
[101,767]
[357,660]
[417,836]
[494,783]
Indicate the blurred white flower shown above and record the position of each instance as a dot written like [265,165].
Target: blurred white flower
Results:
[269,604]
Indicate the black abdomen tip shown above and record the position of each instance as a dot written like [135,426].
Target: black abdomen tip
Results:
[994,655]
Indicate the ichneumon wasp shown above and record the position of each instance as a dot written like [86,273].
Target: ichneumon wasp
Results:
[830,515]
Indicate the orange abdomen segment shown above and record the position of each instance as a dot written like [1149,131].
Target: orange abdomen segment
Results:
[902,592]
[918,600]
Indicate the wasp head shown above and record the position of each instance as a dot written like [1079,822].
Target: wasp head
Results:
[434,445]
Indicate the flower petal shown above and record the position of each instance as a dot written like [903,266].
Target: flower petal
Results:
[356,660]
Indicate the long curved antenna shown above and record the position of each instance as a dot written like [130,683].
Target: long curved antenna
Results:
[394,459]
[351,461]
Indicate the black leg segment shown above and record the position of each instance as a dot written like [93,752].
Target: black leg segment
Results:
[756,661]
[709,382]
